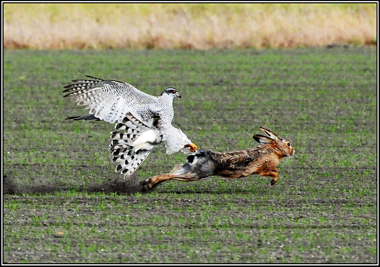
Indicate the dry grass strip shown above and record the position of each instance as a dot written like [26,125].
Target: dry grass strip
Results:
[186,26]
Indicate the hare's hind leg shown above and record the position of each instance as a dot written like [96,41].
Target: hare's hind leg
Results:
[181,172]
[155,180]
[178,171]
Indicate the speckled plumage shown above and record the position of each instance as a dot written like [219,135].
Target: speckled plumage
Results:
[143,121]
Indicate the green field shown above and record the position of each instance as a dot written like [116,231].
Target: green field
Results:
[64,204]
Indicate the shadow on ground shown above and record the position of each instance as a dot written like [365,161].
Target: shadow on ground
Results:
[110,186]
[121,187]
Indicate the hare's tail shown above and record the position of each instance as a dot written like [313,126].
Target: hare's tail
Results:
[190,163]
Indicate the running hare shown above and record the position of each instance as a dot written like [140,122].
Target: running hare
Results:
[261,160]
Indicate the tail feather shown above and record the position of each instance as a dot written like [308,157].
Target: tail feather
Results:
[118,136]
[125,135]
[132,163]
[84,117]
[124,154]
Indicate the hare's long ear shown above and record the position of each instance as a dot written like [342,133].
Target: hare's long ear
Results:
[271,134]
[262,139]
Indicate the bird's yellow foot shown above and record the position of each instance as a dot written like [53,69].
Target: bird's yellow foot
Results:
[192,146]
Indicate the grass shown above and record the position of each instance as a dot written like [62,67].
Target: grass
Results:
[187,26]
[223,239]
[59,207]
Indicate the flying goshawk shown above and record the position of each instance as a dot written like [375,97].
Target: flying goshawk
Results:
[143,120]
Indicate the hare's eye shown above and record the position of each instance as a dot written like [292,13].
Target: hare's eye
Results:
[288,144]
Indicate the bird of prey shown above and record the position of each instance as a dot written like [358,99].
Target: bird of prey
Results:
[143,120]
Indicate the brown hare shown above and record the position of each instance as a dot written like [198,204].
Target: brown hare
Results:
[261,160]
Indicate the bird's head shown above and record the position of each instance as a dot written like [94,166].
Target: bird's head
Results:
[172,92]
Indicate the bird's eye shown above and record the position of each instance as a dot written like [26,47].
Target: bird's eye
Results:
[174,92]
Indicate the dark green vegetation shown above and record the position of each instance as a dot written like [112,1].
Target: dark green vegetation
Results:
[62,203]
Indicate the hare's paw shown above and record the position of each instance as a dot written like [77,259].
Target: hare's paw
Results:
[147,184]
[273,181]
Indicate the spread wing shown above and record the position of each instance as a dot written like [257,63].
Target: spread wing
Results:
[109,100]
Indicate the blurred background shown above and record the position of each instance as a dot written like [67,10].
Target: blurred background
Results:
[187,26]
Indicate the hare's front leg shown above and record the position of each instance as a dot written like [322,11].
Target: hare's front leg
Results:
[272,173]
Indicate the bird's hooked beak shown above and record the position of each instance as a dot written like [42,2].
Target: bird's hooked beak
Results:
[178,94]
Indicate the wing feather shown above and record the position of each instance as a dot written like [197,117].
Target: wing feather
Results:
[108,100]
